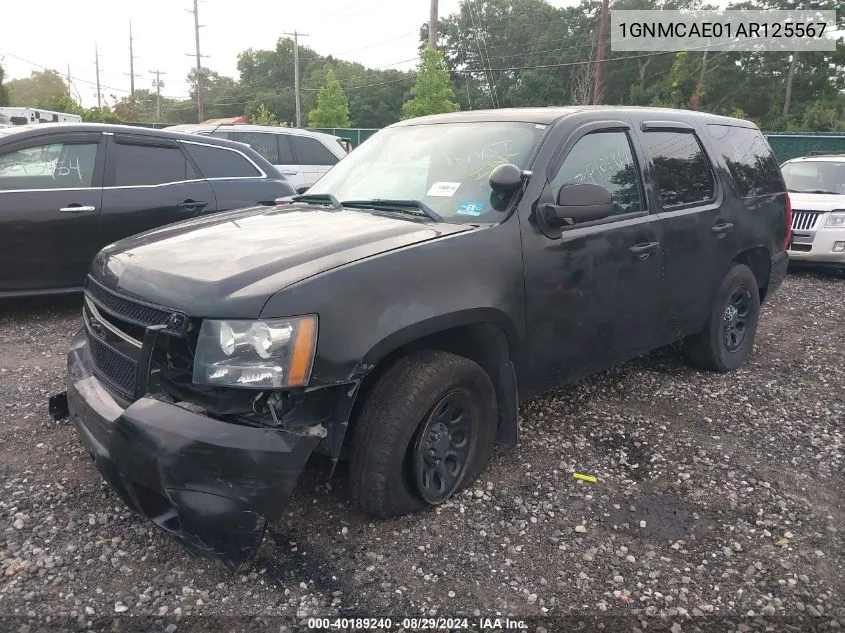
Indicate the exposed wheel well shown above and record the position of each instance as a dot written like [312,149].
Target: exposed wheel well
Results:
[484,343]
[759,260]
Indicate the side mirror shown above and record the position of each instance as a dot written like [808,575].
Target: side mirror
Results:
[577,203]
[507,177]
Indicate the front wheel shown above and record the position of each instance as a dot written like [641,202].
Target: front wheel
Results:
[727,338]
[425,432]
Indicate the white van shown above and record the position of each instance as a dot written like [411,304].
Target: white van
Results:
[301,155]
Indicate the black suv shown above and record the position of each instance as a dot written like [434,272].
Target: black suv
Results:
[447,269]
[67,190]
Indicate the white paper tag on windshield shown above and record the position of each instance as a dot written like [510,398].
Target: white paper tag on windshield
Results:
[444,189]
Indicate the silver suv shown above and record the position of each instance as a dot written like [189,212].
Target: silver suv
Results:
[816,186]
[301,155]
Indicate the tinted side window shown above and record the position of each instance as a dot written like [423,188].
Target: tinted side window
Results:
[604,158]
[752,165]
[682,170]
[53,166]
[136,165]
[262,142]
[218,162]
[310,151]
[285,151]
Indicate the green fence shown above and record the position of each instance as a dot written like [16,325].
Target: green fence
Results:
[357,134]
[788,145]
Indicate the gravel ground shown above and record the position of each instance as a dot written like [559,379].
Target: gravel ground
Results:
[718,500]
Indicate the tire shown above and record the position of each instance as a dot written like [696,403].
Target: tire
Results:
[714,348]
[388,439]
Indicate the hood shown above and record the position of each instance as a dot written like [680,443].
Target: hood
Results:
[817,201]
[229,264]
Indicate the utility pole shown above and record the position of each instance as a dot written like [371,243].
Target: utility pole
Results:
[598,86]
[197,27]
[296,36]
[159,84]
[131,65]
[432,25]
[97,68]
[68,82]
[790,78]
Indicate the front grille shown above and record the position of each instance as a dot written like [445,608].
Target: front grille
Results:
[804,220]
[113,367]
[134,312]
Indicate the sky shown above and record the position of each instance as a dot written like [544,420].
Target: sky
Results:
[376,33]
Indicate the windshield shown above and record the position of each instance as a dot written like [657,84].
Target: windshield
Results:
[446,166]
[823,176]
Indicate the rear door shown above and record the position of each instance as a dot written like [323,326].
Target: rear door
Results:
[150,182]
[236,180]
[699,226]
[50,202]
[314,158]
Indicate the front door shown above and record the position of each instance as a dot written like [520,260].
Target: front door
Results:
[50,200]
[150,182]
[593,291]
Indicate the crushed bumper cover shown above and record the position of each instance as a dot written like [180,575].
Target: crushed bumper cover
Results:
[212,485]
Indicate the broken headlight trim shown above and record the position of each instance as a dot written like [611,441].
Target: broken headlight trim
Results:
[271,353]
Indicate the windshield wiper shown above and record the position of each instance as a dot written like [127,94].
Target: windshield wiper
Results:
[827,191]
[318,198]
[411,207]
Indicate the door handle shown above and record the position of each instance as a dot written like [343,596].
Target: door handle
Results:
[722,229]
[288,172]
[190,205]
[78,209]
[643,250]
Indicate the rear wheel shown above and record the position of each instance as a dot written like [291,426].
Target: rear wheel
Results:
[728,337]
[425,432]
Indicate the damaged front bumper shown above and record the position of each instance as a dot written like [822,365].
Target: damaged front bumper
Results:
[214,486]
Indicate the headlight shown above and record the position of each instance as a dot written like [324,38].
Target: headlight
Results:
[835,220]
[273,354]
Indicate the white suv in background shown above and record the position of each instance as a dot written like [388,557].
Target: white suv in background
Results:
[301,155]
[816,185]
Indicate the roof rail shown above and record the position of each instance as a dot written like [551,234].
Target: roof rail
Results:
[824,153]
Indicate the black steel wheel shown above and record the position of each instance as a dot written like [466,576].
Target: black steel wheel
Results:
[425,432]
[736,318]
[443,447]
[728,336]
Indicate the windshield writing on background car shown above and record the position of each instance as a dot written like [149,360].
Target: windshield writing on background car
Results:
[816,176]
[446,166]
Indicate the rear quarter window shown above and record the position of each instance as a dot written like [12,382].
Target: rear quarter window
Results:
[752,166]
[310,151]
[219,162]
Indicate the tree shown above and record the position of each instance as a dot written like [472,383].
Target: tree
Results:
[263,116]
[332,109]
[36,90]
[432,93]
[4,93]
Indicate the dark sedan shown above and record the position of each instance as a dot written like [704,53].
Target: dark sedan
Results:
[67,190]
